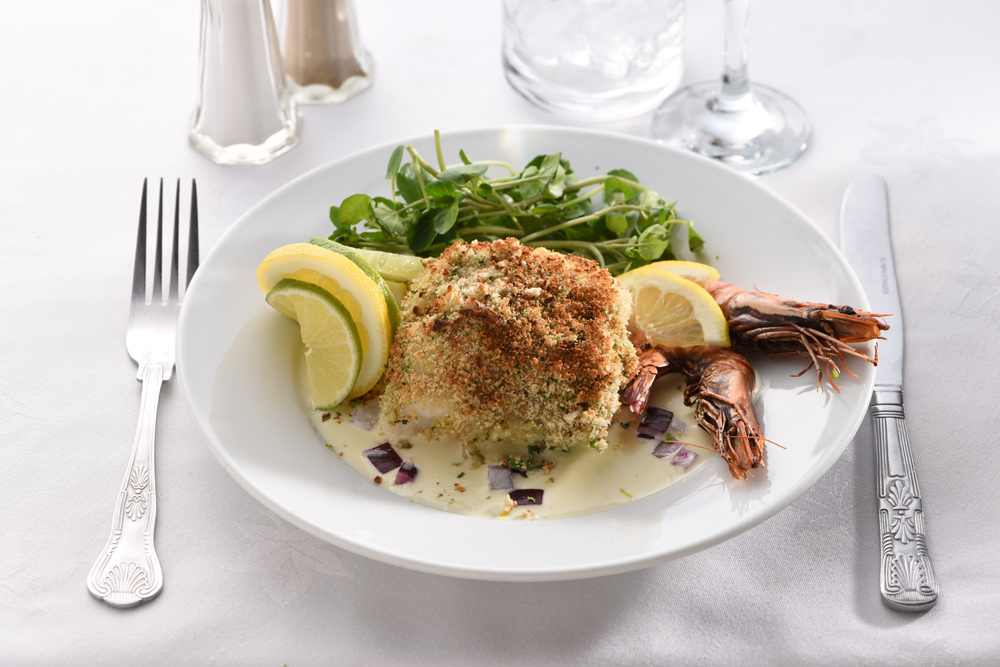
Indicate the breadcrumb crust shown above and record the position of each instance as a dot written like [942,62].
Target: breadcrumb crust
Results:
[501,341]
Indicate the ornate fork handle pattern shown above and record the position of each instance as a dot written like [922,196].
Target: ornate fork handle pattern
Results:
[906,577]
[128,571]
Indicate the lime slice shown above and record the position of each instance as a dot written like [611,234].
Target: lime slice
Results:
[696,272]
[333,346]
[672,311]
[348,284]
[393,267]
[398,290]
[362,263]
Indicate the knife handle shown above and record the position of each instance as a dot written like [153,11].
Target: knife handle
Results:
[905,576]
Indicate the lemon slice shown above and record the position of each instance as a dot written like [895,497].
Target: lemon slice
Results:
[672,311]
[333,346]
[348,284]
[696,272]
[391,266]
[362,263]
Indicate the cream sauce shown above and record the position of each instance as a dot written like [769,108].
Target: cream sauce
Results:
[581,481]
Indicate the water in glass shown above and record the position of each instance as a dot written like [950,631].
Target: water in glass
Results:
[594,59]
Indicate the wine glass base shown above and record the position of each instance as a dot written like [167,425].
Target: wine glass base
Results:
[768,133]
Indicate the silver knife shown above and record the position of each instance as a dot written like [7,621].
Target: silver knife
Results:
[905,576]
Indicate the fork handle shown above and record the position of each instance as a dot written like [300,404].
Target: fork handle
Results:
[128,571]
[905,576]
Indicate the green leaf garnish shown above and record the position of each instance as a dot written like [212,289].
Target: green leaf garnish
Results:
[462,174]
[421,233]
[444,219]
[394,161]
[390,220]
[610,217]
[354,209]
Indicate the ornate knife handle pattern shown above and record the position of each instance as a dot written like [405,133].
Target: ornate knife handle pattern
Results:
[128,572]
[906,576]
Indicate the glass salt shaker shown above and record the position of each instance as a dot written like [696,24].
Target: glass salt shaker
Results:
[245,114]
[324,59]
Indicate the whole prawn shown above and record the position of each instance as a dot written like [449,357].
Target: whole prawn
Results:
[720,385]
[720,381]
[777,326]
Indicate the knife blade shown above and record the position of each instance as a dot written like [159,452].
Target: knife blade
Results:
[906,577]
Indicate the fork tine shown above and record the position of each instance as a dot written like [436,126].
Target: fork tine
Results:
[193,252]
[158,256]
[175,252]
[139,269]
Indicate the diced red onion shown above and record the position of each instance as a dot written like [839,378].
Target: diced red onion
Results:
[527,496]
[407,472]
[365,415]
[500,478]
[677,426]
[655,422]
[383,457]
[666,450]
[684,459]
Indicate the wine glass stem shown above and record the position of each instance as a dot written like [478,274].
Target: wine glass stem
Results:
[734,95]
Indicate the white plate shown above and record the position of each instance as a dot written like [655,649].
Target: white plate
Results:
[236,362]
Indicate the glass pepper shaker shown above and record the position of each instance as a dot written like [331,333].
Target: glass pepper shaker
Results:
[324,58]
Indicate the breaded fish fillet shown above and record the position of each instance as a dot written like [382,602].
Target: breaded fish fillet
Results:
[500,341]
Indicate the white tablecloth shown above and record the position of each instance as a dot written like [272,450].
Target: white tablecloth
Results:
[96,96]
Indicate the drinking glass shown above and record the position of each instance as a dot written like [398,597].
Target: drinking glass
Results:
[245,113]
[594,59]
[752,128]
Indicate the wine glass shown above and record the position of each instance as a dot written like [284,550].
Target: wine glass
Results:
[754,129]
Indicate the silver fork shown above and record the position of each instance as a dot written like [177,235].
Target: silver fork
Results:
[128,572]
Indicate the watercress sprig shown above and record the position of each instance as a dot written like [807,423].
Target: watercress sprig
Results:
[611,218]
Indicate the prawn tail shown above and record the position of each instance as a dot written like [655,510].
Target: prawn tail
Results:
[635,394]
